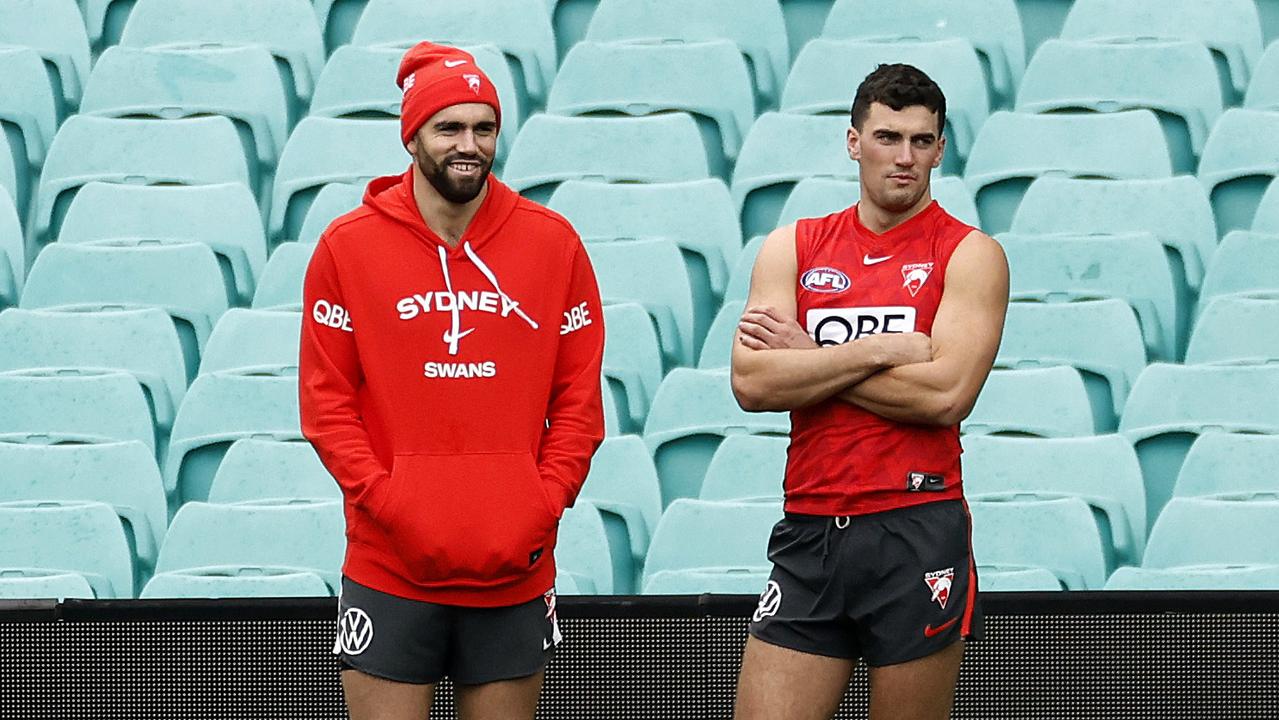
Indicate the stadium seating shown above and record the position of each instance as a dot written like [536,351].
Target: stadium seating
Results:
[331,201]
[31,583]
[1102,471]
[1012,149]
[219,409]
[257,469]
[612,417]
[1206,532]
[1009,534]
[953,64]
[105,20]
[551,149]
[582,551]
[746,467]
[121,474]
[663,290]
[707,79]
[13,264]
[632,360]
[225,217]
[520,28]
[1100,338]
[253,341]
[54,29]
[1263,91]
[623,485]
[1128,266]
[780,150]
[717,350]
[714,541]
[739,278]
[1174,77]
[820,196]
[1244,577]
[1044,402]
[190,151]
[257,538]
[995,579]
[1267,217]
[181,278]
[693,412]
[236,582]
[79,537]
[287,28]
[27,102]
[1230,466]
[992,26]
[12,193]
[74,406]
[1247,263]
[757,26]
[1236,330]
[1171,404]
[326,150]
[1238,164]
[142,342]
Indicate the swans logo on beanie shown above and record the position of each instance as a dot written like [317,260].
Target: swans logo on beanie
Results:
[434,77]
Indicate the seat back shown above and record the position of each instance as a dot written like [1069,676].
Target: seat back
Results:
[74,406]
[1200,531]
[75,536]
[1040,402]
[253,341]
[258,469]
[704,535]
[746,467]
[1010,534]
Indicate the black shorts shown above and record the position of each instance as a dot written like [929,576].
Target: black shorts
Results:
[420,642]
[890,587]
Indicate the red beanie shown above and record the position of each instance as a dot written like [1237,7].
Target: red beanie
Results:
[434,77]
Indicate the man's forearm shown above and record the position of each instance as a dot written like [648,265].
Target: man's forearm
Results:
[921,393]
[784,379]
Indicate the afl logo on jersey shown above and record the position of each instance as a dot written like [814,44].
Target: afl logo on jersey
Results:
[824,280]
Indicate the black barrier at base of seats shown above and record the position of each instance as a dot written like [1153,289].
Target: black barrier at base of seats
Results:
[1045,655]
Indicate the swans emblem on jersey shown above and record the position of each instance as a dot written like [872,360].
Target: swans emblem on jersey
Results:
[915,275]
[824,280]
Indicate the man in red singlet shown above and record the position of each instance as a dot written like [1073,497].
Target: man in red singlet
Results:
[876,327]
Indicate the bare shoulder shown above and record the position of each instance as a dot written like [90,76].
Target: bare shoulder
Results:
[778,247]
[980,249]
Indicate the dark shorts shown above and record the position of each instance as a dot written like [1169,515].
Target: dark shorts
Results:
[421,642]
[890,587]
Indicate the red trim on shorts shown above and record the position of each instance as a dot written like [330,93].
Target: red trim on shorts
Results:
[971,596]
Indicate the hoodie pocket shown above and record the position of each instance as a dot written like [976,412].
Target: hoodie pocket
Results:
[467,518]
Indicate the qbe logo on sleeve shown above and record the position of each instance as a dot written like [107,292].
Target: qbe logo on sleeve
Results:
[836,326]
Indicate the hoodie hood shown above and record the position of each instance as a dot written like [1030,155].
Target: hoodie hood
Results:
[392,196]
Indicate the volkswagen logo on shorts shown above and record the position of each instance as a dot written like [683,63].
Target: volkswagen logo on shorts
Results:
[824,280]
[769,601]
[355,631]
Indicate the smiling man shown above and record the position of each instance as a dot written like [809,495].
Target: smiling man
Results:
[875,327]
[456,405]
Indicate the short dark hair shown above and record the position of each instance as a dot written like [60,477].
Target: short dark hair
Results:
[898,86]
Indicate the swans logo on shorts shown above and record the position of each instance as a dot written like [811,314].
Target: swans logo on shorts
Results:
[769,601]
[824,280]
[939,584]
[556,638]
[355,631]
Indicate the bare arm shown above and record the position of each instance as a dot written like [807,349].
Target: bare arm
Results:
[965,335]
[768,377]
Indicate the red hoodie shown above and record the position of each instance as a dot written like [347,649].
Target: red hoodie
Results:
[454,393]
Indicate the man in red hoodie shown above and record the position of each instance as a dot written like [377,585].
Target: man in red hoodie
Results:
[450,382]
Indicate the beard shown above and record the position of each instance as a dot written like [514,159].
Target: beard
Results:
[459,191]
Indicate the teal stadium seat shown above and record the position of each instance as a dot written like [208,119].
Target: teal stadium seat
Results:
[612,417]
[1127,266]
[191,151]
[257,469]
[582,550]
[54,29]
[1170,405]
[1263,90]
[820,196]
[27,103]
[142,342]
[123,475]
[1247,263]
[694,411]
[952,63]
[632,361]
[756,26]
[1234,330]
[746,467]
[256,538]
[85,538]
[992,26]
[995,579]
[1175,78]
[1009,535]
[253,341]
[239,582]
[105,20]
[13,263]
[623,486]
[520,28]
[551,149]
[327,150]
[1201,532]
[1047,402]
[181,278]
[1230,466]
[1237,165]
[287,28]
[10,190]
[332,201]
[703,546]
[569,19]
[780,150]
[1241,577]
[663,289]
[1267,218]
[1012,149]
[29,584]
[717,350]
[225,217]
[219,409]
[74,406]
[337,21]
[1100,338]
[707,79]
[1230,28]
[739,280]
[1102,471]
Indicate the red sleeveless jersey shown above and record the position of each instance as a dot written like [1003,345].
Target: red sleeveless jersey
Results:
[852,282]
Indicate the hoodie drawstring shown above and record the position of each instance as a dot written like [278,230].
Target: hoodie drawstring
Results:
[493,281]
[455,333]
